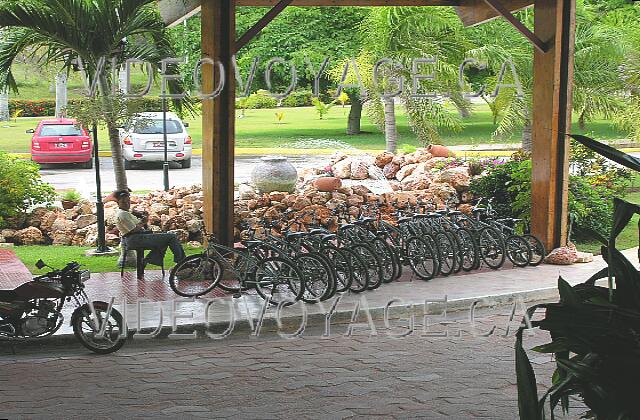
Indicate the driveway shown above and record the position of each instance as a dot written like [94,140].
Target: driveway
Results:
[149,176]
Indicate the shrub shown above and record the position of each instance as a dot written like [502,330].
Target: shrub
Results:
[509,183]
[258,100]
[298,98]
[20,187]
[47,107]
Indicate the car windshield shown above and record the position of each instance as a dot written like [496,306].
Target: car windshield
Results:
[155,127]
[60,130]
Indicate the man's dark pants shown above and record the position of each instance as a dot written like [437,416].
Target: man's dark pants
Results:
[158,244]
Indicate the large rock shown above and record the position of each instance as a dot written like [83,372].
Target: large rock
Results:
[63,225]
[195,226]
[342,169]
[458,178]
[246,192]
[405,171]
[390,170]
[159,208]
[29,236]
[359,169]
[444,192]
[182,234]
[9,235]
[383,159]
[36,216]
[85,220]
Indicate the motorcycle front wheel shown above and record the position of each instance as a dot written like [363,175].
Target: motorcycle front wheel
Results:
[88,325]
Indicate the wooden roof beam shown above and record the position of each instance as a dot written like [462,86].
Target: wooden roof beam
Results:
[498,7]
[475,12]
[260,25]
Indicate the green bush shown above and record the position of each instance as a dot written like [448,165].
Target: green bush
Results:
[258,100]
[298,98]
[510,185]
[20,188]
[47,107]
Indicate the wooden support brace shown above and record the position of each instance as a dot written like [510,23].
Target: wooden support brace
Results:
[260,25]
[503,11]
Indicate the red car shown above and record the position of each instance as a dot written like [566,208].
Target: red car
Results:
[61,141]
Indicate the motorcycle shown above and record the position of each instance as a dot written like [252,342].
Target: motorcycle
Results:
[34,310]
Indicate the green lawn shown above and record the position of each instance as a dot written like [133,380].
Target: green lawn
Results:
[259,128]
[59,256]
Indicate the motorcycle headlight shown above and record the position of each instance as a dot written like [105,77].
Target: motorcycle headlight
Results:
[84,276]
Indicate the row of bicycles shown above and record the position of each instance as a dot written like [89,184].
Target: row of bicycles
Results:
[285,260]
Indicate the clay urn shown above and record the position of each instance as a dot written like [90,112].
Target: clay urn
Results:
[438,150]
[327,183]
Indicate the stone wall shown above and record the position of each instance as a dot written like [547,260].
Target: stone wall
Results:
[411,177]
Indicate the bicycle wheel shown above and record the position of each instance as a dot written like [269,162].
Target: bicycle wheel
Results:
[359,271]
[457,251]
[468,249]
[492,247]
[278,281]
[422,258]
[446,253]
[342,268]
[387,259]
[195,276]
[372,261]
[538,253]
[518,250]
[318,275]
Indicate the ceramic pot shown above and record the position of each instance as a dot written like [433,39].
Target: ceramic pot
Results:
[327,184]
[438,150]
[274,173]
[68,204]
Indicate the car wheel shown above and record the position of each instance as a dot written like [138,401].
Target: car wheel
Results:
[186,164]
[88,164]
[128,164]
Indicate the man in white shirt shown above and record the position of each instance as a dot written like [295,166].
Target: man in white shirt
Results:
[135,235]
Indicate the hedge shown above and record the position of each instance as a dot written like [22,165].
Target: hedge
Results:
[47,107]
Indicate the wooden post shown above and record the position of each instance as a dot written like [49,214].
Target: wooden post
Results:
[552,101]
[218,118]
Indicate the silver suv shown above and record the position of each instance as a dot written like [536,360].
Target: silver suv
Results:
[144,140]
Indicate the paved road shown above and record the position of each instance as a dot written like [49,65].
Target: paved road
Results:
[455,377]
[149,176]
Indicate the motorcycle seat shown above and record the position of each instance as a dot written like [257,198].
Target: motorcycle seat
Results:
[8,296]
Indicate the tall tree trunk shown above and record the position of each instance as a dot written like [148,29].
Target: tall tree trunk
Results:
[390,130]
[355,116]
[114,136]
[4,105]
[527,139]
[61,94]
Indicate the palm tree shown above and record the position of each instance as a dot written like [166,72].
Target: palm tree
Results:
[599,54]
[407,33]
[65,32]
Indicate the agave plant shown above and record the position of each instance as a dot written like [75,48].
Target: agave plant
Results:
[595,331]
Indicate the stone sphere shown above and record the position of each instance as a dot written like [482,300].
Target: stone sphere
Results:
[274,173]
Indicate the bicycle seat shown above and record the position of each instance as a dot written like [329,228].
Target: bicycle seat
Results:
[317,231]
[251,244]
[367,220]
[478,210]
[420,216]
[433,215]
[455,213]
[294,235]
[442,212]
[329,236]
[404,219]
